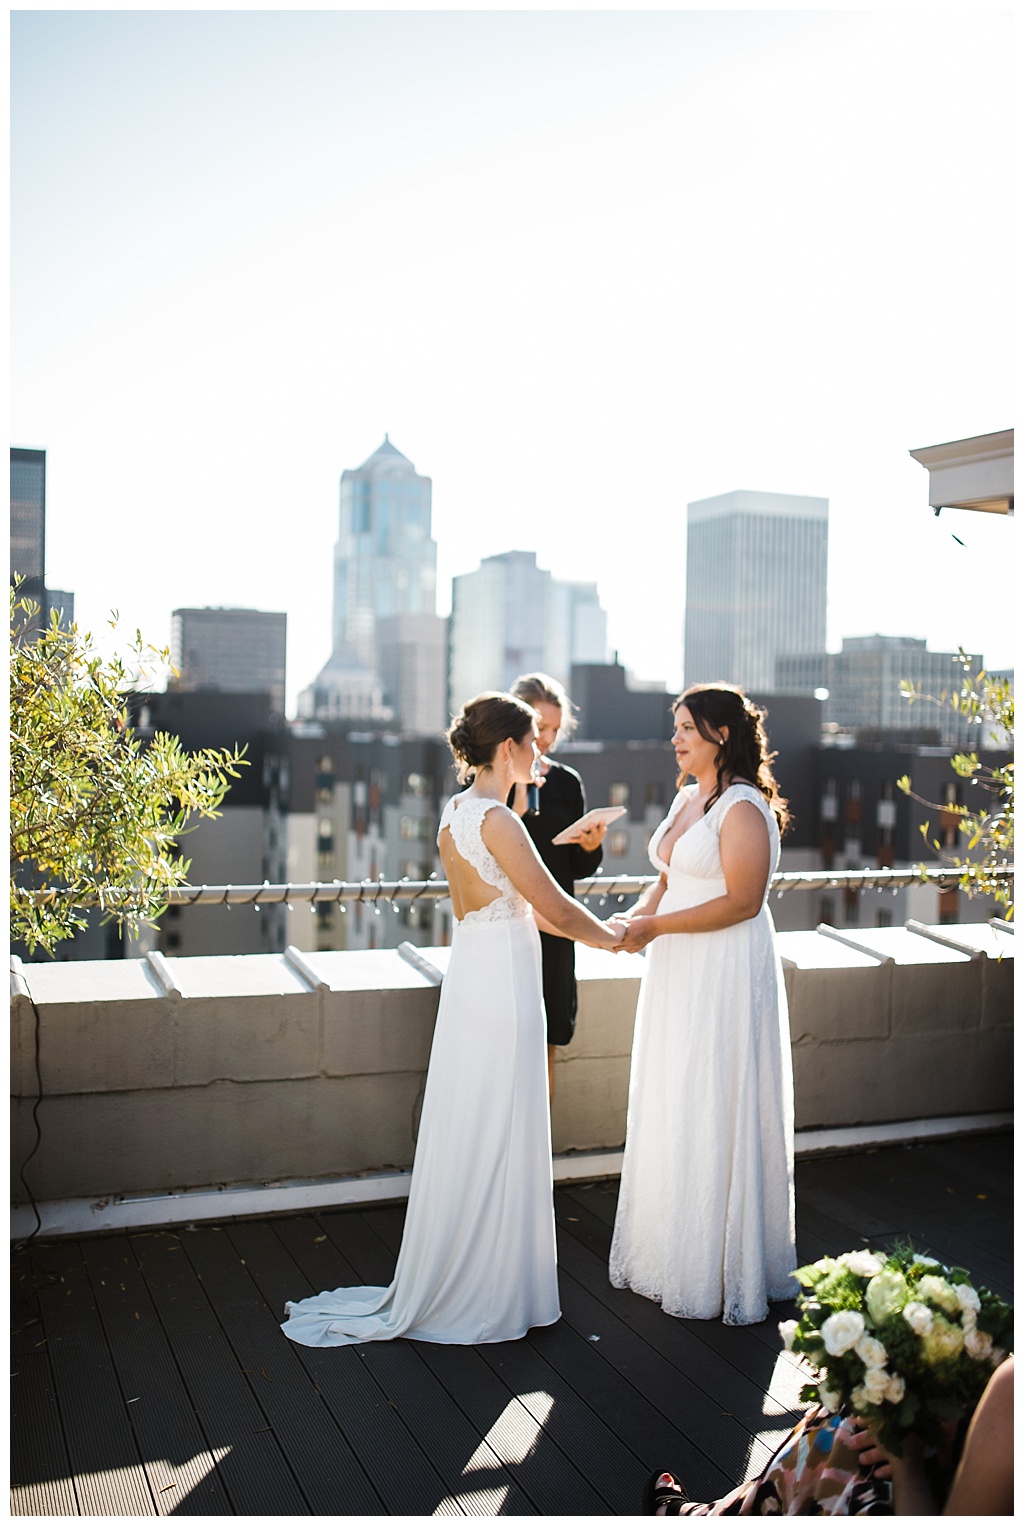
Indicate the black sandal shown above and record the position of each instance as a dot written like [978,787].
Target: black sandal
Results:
[667,1495]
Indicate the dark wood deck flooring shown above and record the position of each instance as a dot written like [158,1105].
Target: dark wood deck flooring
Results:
[151,1377]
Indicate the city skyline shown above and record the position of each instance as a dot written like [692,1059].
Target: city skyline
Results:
[583,268]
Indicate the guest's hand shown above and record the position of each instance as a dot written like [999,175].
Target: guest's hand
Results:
[870,1454]
[912,1490]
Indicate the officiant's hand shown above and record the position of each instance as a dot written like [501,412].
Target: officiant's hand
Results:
[592,838]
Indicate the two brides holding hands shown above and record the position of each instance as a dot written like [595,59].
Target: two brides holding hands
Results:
[705,1211]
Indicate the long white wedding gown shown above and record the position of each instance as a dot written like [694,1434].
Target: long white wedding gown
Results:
[477,1261]
[705,1220]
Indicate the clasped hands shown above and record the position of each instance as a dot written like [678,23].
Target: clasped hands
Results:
[637,932]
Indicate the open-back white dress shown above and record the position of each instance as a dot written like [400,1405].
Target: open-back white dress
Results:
[705,1218]
[477,1261]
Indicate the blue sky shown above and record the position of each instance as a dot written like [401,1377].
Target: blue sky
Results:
[583,267]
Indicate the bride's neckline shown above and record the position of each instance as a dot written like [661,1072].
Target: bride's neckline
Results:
[697,822]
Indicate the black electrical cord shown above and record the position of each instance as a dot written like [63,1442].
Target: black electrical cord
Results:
[21,1244]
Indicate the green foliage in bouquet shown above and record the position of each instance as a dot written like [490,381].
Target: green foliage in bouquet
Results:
[95,814]
[898,1338]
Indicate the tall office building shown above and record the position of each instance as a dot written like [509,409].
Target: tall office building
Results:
[28,539]
[756,569]
[240,650]
[28,521]
[388,656]
[511,617]
[863,682]
[385,562]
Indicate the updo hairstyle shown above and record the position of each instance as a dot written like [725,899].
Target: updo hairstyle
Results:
[480,728]
[542,689]
[744,754]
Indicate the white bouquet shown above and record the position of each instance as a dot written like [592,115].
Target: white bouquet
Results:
[898,1338]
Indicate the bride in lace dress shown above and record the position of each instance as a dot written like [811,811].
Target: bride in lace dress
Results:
[477,1261]
[705,1220]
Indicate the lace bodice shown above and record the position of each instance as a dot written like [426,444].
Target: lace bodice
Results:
[463,816]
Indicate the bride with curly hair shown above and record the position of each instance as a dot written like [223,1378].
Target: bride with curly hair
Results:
[705,1220]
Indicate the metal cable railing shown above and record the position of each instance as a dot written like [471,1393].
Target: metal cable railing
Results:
[378,893]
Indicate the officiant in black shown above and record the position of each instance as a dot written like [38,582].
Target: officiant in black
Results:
[560,801]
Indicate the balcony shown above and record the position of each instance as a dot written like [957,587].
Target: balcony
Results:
[206,1137]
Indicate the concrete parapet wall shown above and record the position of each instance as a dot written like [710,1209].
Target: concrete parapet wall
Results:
[251,1069]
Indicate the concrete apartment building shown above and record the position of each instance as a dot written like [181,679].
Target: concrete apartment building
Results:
[863,682]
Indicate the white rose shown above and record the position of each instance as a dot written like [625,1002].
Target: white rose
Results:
[969,1320]
[919,1317]
[787,1330]
[885,1294]
[895,1389]
[967,1298]
[925,1261]
[943,1341]
[978,1344]
[871,1351]
[997,1355]
[939,1291]
[862,1263]
[842,1331]
[859,1399]
[876,1382]
[830,1400]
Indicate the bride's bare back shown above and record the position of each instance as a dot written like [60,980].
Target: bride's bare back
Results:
[469,892]
[500,864]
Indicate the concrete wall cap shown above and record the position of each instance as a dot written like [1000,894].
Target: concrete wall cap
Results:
[304,968]
[814,950]
[158,964]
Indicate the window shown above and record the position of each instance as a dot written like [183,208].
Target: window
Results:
[654,792]
[324,780]
[415,828]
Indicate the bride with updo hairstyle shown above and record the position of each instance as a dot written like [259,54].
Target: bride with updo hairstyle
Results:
[705,1217]
[481,724]
[477,1261]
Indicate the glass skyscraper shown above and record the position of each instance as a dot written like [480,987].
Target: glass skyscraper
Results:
[511,617]
[385,562]
[388,659]
[756,585]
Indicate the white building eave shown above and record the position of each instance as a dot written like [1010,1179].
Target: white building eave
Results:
[976,473]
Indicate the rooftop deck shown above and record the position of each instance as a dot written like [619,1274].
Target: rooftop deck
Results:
[150,1376]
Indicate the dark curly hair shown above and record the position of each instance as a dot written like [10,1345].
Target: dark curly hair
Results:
[744,754]
[482,725]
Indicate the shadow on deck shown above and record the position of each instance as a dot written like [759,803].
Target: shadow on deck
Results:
[151,1378]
